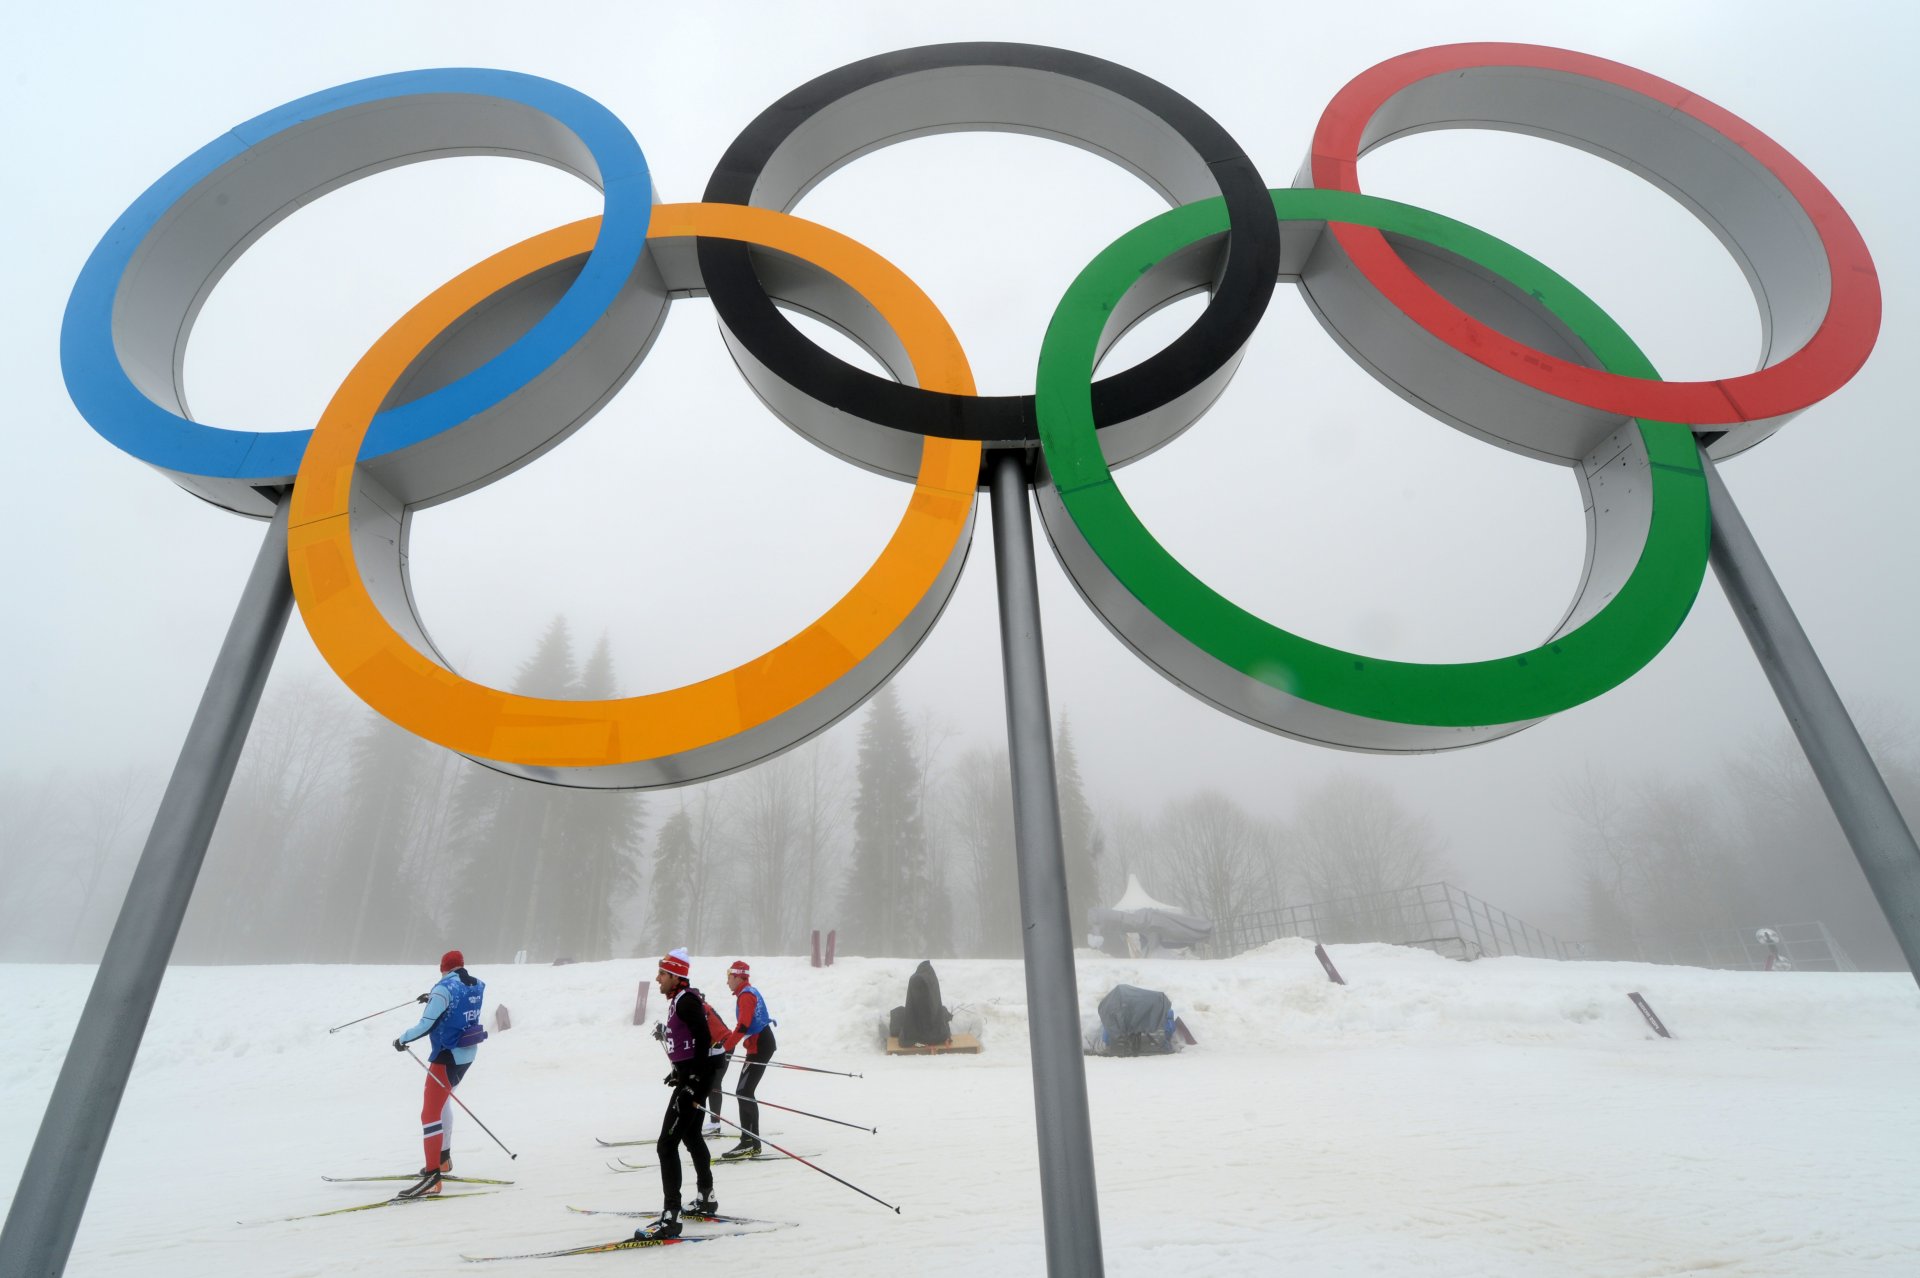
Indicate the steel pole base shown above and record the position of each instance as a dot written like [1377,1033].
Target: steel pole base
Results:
[1069,1200]
[73,1134]
[1878,834]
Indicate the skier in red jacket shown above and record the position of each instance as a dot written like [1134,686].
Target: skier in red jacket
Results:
[753,1028]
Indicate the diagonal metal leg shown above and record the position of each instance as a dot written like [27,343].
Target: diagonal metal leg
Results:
[1854,786]
[1069,1202]
[73,1133]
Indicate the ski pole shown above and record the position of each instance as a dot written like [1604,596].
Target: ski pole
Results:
[788,1109]
[463,1105]
[796,1158]
[811,1070]
[382,1012]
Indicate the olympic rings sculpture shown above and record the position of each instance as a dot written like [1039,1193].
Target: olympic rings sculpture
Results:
[503,362]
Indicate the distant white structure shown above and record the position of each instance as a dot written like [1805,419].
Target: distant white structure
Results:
[1149,926]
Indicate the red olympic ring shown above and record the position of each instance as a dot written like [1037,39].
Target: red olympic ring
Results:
[1833,353]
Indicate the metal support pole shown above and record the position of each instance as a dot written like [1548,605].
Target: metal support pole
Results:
[1872,822]
[73,1133]
[1069,1203]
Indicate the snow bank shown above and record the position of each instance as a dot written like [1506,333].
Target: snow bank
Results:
[1508,1116]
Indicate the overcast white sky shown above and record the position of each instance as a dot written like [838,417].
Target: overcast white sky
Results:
[696,531]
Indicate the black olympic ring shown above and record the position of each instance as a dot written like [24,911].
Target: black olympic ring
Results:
[1160,136]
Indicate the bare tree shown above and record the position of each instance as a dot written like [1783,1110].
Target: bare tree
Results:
[1355,838]
[1134,845]
[706,832]
[275,830]
[1692,882]
[31,845]
[1356,842]
[770,802]
[1613,866]
[1215,855]
[430,854]
[826,787]
[108,813]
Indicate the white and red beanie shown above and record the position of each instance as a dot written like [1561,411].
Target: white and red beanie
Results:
[739,968]
[677,964]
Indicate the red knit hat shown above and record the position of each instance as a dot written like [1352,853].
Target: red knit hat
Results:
[676,964]
[739,968]
[452,959]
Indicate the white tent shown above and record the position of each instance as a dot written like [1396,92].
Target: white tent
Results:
[1148,924]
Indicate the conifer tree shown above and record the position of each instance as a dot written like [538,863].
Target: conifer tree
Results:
[478,855]
[511,889]
[887,896]
[366,899]
[594,866]
[675,862]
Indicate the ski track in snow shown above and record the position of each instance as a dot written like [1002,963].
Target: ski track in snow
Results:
[1508,1117]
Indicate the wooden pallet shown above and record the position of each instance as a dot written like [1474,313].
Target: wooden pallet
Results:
[965,1043]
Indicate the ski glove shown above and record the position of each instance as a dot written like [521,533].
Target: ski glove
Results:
[659,1032]
[399,1044]
[423,998]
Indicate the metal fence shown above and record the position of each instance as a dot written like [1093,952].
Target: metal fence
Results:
[1434,916]
[1808,947]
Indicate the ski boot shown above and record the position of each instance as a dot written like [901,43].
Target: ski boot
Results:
[747,1148]
[668,1226]
[710,1131]
[703,1205]
[446,1164]
[426,1187]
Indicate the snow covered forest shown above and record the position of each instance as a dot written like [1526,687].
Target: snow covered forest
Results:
[345,839]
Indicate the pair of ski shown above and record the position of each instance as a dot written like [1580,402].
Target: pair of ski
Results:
[635,1244]
[396,1201]
[765,1156]
[651,1140]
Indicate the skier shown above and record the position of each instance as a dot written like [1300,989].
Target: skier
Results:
[753,1029]
[688,1041]
[452,1019]
[718,1058]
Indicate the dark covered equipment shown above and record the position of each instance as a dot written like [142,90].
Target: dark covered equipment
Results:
[1136,1022]
[923,1020]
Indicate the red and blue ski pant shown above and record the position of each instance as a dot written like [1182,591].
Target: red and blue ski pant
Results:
[436,1106]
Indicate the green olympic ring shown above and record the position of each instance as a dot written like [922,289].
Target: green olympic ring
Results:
[1275,678]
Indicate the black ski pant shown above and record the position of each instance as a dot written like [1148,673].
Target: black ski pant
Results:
[716,1078]
[756,1065]
[681,1126]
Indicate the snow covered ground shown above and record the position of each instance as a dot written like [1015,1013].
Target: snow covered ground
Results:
[1504,1117]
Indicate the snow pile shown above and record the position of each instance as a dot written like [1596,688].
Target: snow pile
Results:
[1502,1117]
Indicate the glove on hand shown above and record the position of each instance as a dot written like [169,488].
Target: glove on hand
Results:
[399,1044]
[659,1032]
[423,998]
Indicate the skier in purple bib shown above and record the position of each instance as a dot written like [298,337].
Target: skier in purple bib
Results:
[687,1040]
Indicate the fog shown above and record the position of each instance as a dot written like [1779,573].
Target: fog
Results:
[691,531]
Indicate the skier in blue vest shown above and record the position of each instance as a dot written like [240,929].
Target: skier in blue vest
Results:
[753,1029]
[451,1024]
[687,1039]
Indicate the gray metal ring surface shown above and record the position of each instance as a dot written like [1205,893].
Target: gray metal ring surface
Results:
[131,314]
[1745,189]
[381,519]
[1087,102]
[1615,492]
